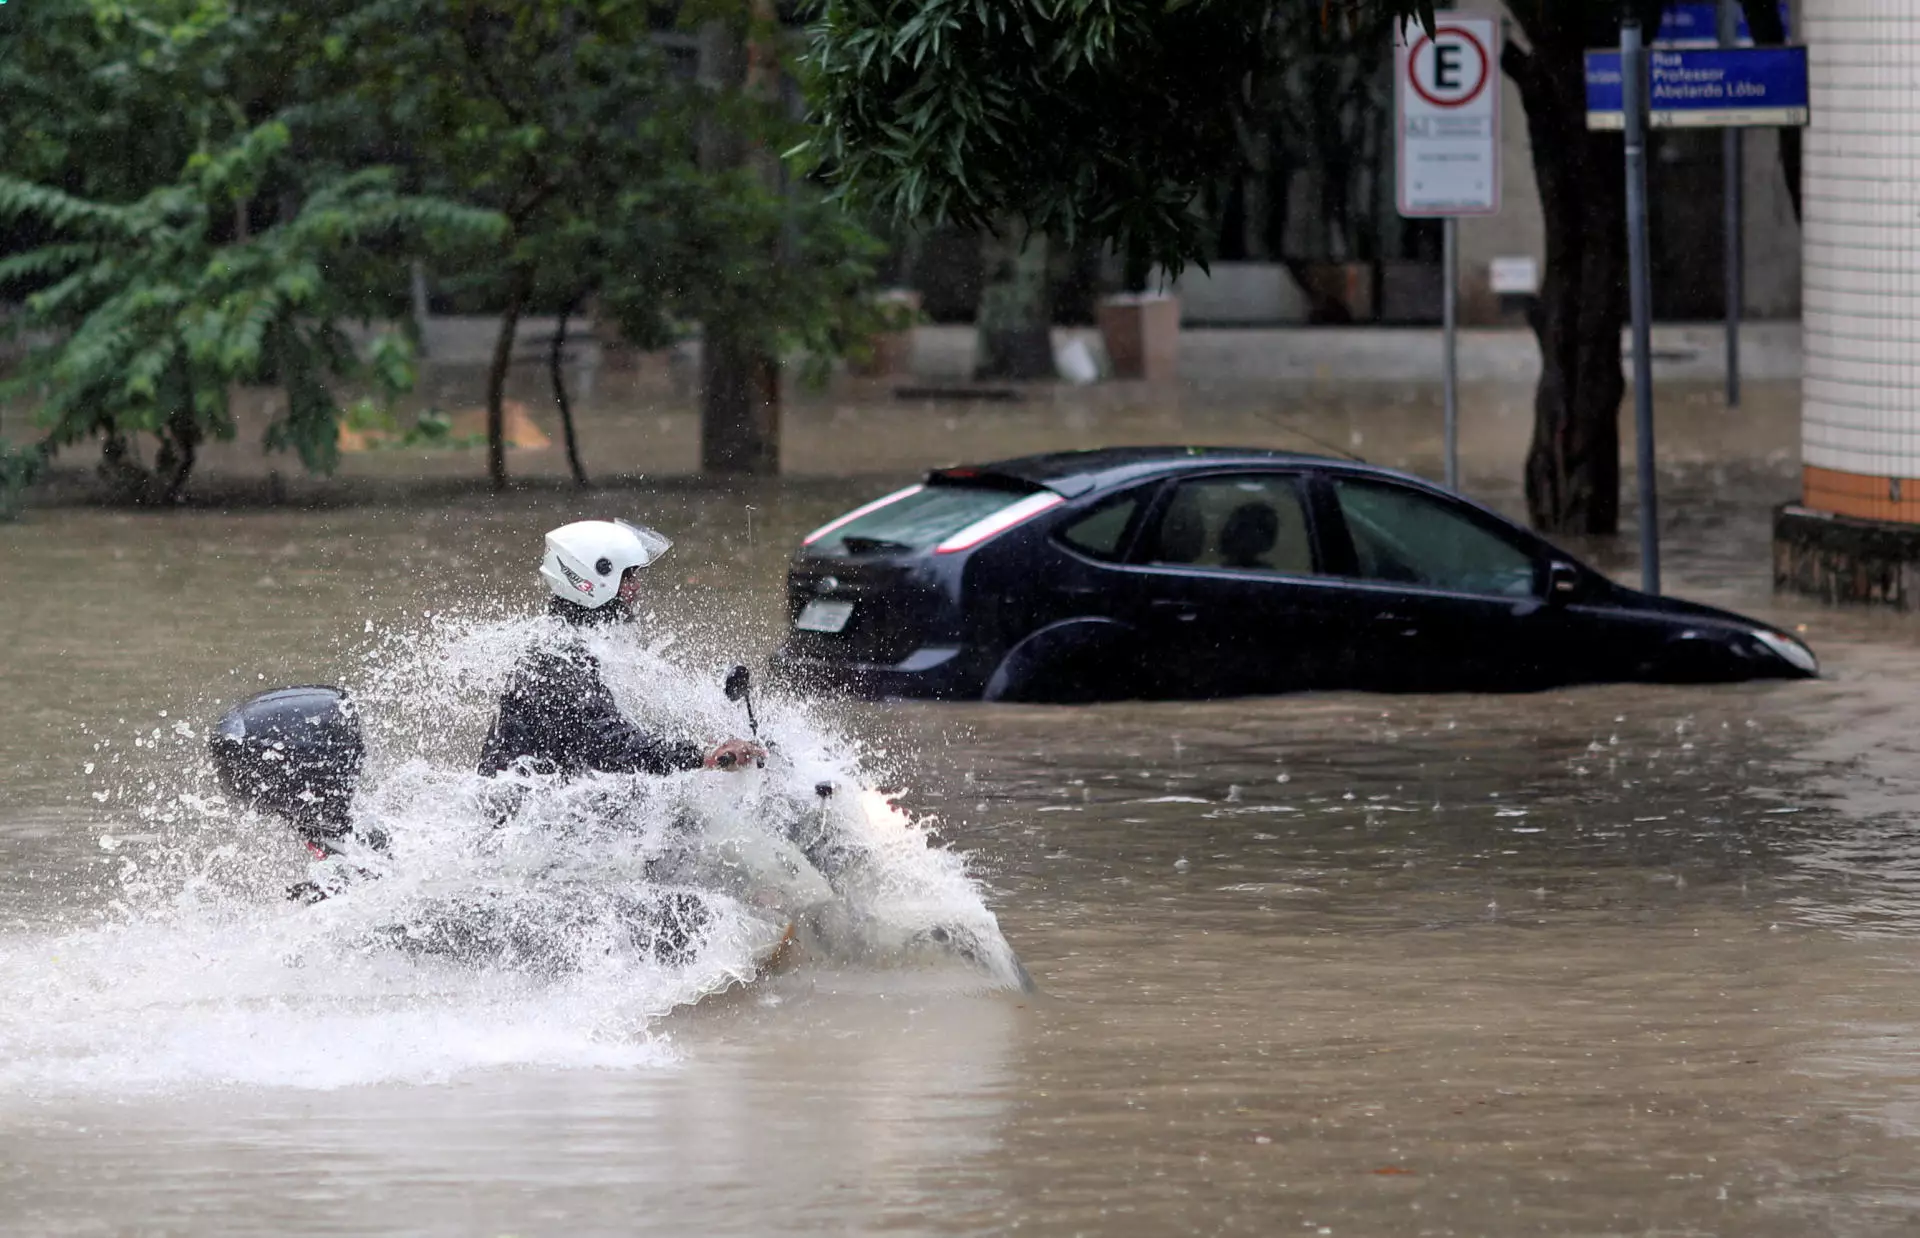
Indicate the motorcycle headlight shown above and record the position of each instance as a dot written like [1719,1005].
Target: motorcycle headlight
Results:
[1789,650]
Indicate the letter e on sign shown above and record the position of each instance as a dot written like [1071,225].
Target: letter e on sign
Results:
[1447,114]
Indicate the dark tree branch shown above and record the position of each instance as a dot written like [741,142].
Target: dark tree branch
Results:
[519,289]
[479,59]
[557,374]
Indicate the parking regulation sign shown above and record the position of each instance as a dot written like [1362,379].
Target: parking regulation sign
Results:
[1447,112]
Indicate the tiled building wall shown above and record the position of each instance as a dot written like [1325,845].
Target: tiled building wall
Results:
[1860,427]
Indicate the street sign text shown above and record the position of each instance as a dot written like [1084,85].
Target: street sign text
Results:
[1447,93]
[1707,88]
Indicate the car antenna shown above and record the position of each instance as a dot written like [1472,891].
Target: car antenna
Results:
[1316,440]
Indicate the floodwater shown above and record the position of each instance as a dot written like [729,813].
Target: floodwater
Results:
[1608,960]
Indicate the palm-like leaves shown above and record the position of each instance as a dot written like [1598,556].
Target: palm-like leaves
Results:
[1096,118]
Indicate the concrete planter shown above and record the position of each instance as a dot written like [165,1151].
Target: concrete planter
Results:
[1842,559]
[1141,332]
[1341,292]
[1240,294]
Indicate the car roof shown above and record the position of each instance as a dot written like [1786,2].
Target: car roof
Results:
[1074,473]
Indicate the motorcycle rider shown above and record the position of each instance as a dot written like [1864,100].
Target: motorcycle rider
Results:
[557,714]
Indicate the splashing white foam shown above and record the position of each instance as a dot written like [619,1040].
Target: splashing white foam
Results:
[506,922]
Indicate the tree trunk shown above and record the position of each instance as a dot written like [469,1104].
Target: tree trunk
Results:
[120,469]
[1015,316]
[1573,466]
[519,288]
[739,378]
[739,404]
[177,456]
[556,373]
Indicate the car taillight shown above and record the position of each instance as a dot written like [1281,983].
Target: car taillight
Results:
[998,523]
[858,512]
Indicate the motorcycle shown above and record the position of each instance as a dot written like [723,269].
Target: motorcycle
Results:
[650,867]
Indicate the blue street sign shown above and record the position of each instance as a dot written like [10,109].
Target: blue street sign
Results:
[1698,25]
[1706,88]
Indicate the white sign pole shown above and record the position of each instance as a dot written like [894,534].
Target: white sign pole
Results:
[1450,320]
[1447,138]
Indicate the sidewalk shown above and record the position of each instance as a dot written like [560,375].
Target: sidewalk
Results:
[1769,351]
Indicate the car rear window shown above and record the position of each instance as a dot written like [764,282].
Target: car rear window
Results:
[911,520]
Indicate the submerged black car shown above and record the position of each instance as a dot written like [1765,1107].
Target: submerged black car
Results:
[1203,572]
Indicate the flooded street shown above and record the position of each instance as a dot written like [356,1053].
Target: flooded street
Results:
[1608,960]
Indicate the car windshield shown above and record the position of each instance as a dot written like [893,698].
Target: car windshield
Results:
[911,520]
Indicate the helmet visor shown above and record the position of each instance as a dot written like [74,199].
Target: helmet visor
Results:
[653,543]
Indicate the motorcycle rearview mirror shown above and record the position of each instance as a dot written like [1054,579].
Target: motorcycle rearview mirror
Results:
[739,687]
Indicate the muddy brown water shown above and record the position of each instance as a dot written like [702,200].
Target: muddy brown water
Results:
[1606,960]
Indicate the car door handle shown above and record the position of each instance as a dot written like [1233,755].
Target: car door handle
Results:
[1185,612]
[1398,625]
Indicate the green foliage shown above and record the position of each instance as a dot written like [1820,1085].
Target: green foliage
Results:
[792,274]
[152,319]
[18,469]
[1096,119]
[193,200]
[431,427]
[569,119]
[106,99]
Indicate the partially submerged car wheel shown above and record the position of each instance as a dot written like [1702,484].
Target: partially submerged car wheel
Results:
[1070,664]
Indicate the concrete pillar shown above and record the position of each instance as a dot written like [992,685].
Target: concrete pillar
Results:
[1855,535]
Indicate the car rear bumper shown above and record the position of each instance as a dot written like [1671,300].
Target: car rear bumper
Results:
[936,671]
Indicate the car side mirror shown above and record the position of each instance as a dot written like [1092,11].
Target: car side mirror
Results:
[1563,582]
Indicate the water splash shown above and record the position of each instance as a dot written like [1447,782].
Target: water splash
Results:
[510,921]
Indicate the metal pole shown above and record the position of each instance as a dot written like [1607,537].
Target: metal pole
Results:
[1730,165]
[1450,316]
[1633,98]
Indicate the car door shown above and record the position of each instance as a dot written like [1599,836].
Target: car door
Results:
[1438,596]
[1225,585]
[1055,623]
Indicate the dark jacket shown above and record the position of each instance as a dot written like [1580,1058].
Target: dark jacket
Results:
[558,713]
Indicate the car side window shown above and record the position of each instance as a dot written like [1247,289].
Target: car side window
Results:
[1100,533]
[1248,522]
[1403,536]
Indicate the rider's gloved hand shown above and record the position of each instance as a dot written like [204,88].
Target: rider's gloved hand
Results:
[736,754]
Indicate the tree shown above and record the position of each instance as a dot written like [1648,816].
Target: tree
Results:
[152,320]
[532,110]
[1015,315]
[1108,119]
[789,274]
[197,193]
[171,240]
[1573,464]
[611,170]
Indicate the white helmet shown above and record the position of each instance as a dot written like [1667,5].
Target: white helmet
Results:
[586,560]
